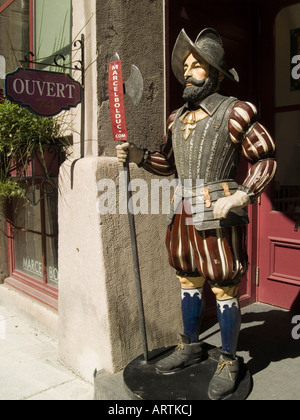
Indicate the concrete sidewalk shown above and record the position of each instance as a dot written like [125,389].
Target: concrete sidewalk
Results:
[29,366]
[30,369]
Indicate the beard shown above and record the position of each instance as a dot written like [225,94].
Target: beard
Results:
[201,88]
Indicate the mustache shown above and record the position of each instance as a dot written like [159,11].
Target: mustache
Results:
[195,82]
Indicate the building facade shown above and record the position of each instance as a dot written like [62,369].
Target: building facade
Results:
[66,263]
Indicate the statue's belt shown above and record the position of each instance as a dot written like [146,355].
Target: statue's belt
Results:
[202,197]
[208,192]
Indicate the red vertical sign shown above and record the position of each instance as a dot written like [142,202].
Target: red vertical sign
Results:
[116,101]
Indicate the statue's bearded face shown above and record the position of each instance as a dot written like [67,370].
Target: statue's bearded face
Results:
[201,79]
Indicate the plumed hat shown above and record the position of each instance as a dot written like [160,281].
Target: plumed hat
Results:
[208,45]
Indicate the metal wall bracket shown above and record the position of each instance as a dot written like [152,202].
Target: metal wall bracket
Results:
[78,65]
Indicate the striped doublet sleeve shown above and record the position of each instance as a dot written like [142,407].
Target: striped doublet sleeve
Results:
[162,163]
[257,146]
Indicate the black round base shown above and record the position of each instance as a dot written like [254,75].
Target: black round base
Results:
[143,382]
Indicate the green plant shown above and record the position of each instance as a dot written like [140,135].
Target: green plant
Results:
[10,188]
[20,133]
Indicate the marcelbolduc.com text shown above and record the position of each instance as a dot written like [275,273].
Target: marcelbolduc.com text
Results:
[159,409]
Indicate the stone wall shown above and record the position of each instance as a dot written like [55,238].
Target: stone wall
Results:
[135,30]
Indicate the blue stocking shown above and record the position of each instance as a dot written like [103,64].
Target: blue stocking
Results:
[229,317]
[192,311]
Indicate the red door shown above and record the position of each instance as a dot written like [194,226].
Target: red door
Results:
[279,211]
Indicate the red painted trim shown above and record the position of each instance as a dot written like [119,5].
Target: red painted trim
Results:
[6,5]
[43,231]
[48,296]
[38,290]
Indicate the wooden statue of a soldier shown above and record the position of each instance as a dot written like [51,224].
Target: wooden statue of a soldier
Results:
[204,141]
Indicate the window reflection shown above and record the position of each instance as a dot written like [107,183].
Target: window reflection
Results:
[36,236]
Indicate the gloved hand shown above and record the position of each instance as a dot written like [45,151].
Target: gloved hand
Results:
[223,206]
[135,154]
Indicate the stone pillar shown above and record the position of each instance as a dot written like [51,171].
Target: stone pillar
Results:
[98,315]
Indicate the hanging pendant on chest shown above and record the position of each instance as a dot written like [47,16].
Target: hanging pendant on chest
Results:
[190,119]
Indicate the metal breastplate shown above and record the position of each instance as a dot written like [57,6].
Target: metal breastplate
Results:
[202,146]
[204,153]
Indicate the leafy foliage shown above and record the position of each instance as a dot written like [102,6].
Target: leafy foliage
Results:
[20,133]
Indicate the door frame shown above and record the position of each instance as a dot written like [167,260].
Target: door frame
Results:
[268,11]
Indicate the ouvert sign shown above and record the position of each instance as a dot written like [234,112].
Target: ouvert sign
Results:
[45,93]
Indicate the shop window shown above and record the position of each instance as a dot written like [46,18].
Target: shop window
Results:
[45,29]
[14,34]
[33,243]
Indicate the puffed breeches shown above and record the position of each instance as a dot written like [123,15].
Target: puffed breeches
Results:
[217,255]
